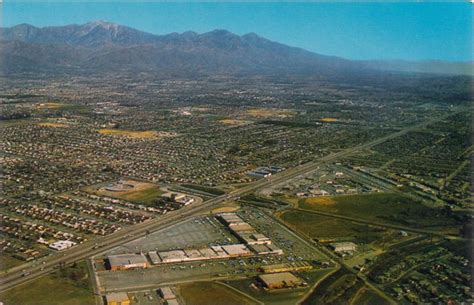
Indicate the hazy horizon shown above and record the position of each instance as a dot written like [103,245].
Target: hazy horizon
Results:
[365,31]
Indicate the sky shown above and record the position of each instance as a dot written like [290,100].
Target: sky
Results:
[363,30]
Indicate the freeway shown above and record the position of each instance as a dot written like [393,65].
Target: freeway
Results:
[88,249]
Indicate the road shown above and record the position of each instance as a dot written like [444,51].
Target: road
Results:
[85,250]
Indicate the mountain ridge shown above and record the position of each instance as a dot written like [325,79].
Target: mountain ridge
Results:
[105,46]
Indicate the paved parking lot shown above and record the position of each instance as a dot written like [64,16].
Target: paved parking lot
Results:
[201,231]
[204,231]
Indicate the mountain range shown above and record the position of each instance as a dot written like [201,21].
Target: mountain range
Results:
[103,47]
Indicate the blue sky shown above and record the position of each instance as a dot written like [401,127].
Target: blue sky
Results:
[411,31]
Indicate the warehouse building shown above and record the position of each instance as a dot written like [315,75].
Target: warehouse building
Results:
[343,247]
[280,280]
[127,261]
[117,298]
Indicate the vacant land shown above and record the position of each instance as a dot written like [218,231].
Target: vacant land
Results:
[66,287]
[234,122]
[320,200]
[328,228]
[210,293]
[205,189]
[51,105]
[329,120]
[269,112]
[366,296]
[392,208]
[338,288]
[148,134]
[7,262]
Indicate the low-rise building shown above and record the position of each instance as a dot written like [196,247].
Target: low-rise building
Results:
[127,261]
[62,245]
[236,250]
[167,293]
[154,257]
[280,280]
[117,298]
[343,246]
[173,256]
[266,249]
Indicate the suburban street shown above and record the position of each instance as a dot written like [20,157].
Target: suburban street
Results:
[91,248]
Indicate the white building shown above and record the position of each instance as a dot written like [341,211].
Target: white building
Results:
[343,247]
[62,245]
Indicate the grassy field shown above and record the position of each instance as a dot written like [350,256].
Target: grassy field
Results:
[210,293]
[68,287]
[327,228]
[142,192]
[234,122]
[366,296]
[16,122]
[329,120]
[338,288]
[149,134]
[7,262]
[205,189]
[269,112]
[51,105]
[392,208]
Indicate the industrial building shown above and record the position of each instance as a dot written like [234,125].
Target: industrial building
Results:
[127,261]
[117,298]
[343,247]
[280,280]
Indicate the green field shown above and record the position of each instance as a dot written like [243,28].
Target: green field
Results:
[205,189]
[339,288]
[70,286]
[367,296]
[7,262]
[392,208]
[145,196]
[326,228]
[210,293]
